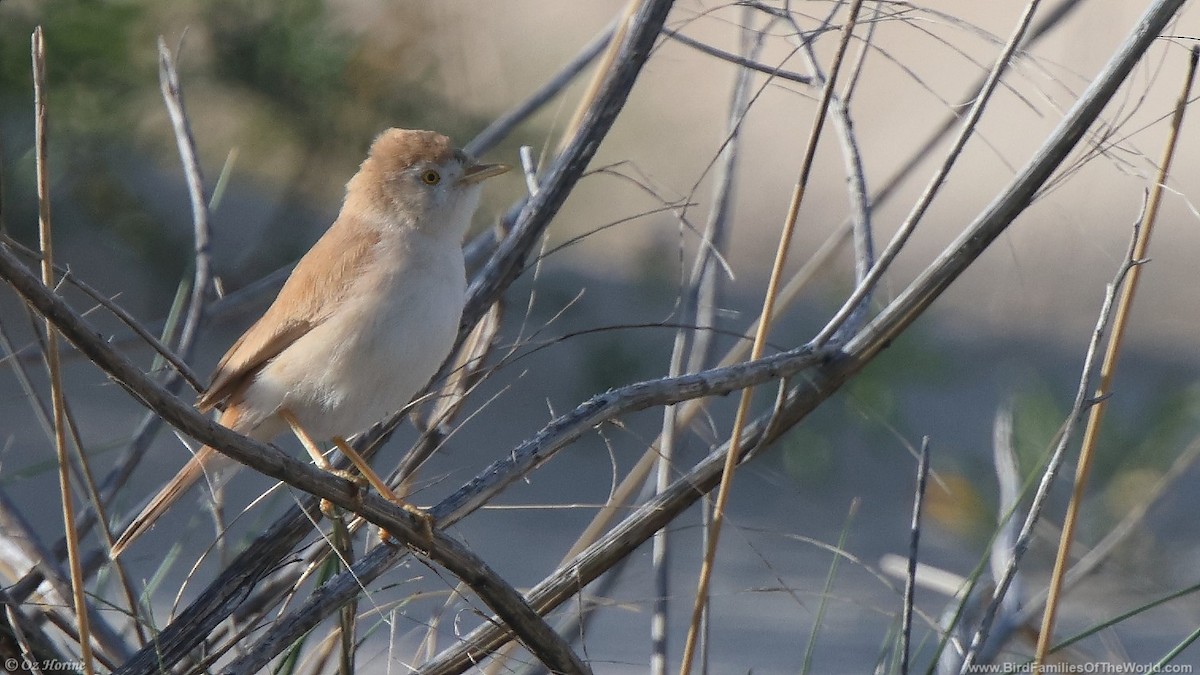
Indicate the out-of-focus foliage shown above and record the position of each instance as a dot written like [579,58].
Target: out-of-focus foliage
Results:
[98,58]
[297,88]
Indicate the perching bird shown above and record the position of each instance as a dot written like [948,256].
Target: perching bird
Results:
[364,320]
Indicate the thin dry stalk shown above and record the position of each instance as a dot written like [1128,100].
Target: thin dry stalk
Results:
[118,311]
[503,125]
[760,338]
[52,357]
[910,579]
[1108,368]
[346,617]
[744,62]
[1091,364]
[607,59]
[702,283]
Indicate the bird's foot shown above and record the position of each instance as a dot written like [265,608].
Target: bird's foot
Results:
[426,524]
[357,481]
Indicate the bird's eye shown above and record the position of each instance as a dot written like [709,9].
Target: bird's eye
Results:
[431,177]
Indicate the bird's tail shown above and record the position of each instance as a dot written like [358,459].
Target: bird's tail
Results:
[207,461]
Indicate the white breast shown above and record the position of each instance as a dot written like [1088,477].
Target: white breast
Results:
[378,348]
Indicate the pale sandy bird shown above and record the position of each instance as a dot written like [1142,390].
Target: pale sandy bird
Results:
[364,320]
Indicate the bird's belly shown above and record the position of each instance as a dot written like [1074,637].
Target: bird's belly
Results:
[363,364]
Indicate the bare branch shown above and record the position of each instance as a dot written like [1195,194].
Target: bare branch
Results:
[509,260]
[264,459]
[172,92]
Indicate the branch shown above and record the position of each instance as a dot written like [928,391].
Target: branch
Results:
[525,458]
[509,259]
[172,92]
[503,125]
[502,599]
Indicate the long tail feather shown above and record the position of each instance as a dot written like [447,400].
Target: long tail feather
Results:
[206,461]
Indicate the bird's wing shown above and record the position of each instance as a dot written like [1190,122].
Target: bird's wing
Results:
[321,280]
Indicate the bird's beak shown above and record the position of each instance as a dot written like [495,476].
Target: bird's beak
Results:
[478,172]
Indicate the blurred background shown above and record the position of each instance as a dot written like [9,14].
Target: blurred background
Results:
[285,98]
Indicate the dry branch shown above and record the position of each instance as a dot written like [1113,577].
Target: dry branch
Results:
[446,552]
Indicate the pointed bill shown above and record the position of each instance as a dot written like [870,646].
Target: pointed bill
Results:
[478,172]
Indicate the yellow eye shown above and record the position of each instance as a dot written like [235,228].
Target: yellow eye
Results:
[431,177]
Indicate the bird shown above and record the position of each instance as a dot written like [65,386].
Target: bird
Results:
[363,322]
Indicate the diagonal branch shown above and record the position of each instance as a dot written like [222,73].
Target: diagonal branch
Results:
[499,596]
[509,259]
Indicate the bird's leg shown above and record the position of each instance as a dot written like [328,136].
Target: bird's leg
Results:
[382,487]
[318,457]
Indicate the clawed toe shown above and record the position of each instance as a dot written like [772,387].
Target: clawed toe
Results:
[425,519]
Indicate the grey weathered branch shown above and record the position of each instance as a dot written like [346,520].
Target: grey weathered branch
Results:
[865,285]
[172,92]
[525,458]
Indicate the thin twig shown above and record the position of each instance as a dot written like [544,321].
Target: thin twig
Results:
[760,342]
[742,61]
[1108,368]
[1078,408]
[52,361]
[910,579]
[503,125]
[35,646]
[509,259]
[862,291]
[118,311]
[621,26]
[860,208]
[172,92]
[702,284]
[1131,523]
